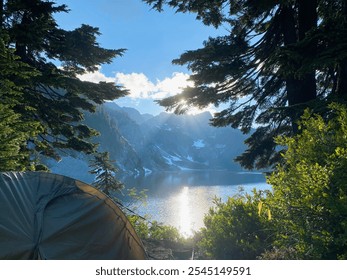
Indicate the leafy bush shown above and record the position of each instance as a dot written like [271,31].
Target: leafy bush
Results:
[237,229]
[310,188]
[283,253]
[305,215]
[154,230]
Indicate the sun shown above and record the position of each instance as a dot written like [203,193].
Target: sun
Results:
[193,110]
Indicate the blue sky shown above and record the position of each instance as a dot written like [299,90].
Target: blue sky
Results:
[152,40]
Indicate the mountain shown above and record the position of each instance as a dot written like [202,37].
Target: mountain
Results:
[76,165]
[177,142]
[142,143]
[189,142]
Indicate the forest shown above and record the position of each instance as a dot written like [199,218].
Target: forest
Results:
[281,71]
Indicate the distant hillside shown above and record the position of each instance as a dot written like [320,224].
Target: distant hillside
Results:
[142,143]
[177,142]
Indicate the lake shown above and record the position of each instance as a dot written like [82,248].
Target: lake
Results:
[181,199]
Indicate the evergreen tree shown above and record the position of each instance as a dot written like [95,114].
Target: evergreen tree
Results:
[55,96]
[279,58]
[15,131]
[105,170]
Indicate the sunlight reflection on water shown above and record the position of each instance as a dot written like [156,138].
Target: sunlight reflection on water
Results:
[184,218]
[184,203]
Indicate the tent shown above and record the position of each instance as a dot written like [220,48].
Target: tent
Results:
[49,216]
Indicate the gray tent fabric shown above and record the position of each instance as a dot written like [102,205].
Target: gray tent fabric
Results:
[49,216]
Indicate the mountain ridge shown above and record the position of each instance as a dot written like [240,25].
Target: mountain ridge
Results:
[142,143]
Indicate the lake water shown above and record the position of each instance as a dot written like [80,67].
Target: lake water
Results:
[181,199]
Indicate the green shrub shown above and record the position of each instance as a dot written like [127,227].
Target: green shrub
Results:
[153,230]
[237,229]
[310,189]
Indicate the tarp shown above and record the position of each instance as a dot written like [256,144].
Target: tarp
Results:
[49,216]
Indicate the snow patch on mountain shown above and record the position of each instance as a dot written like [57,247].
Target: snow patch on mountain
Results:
[141,144]
[147,171]
[170,159]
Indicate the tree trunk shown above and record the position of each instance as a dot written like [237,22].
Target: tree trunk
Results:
[307,21]
[290,38]
[1,14]
[301,89]
[21,45]
[342,67]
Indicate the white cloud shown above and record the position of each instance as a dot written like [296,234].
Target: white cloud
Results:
[137,83]
[142,89]
[172,86]
[95,77]
[140,86]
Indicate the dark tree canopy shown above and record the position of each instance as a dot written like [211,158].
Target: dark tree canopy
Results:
[279,58]
[55,95]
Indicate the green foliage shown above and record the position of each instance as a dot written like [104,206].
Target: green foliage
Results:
[140,225]
[105,172]
[305,214]
[237,229]
[128,199]
[309,200]
[15,132]
[154,230]
[277,58]
[52,58]
[164,232]
[13,138]
[135,199]
[283,253]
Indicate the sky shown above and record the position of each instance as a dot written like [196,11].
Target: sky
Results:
[152,40]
